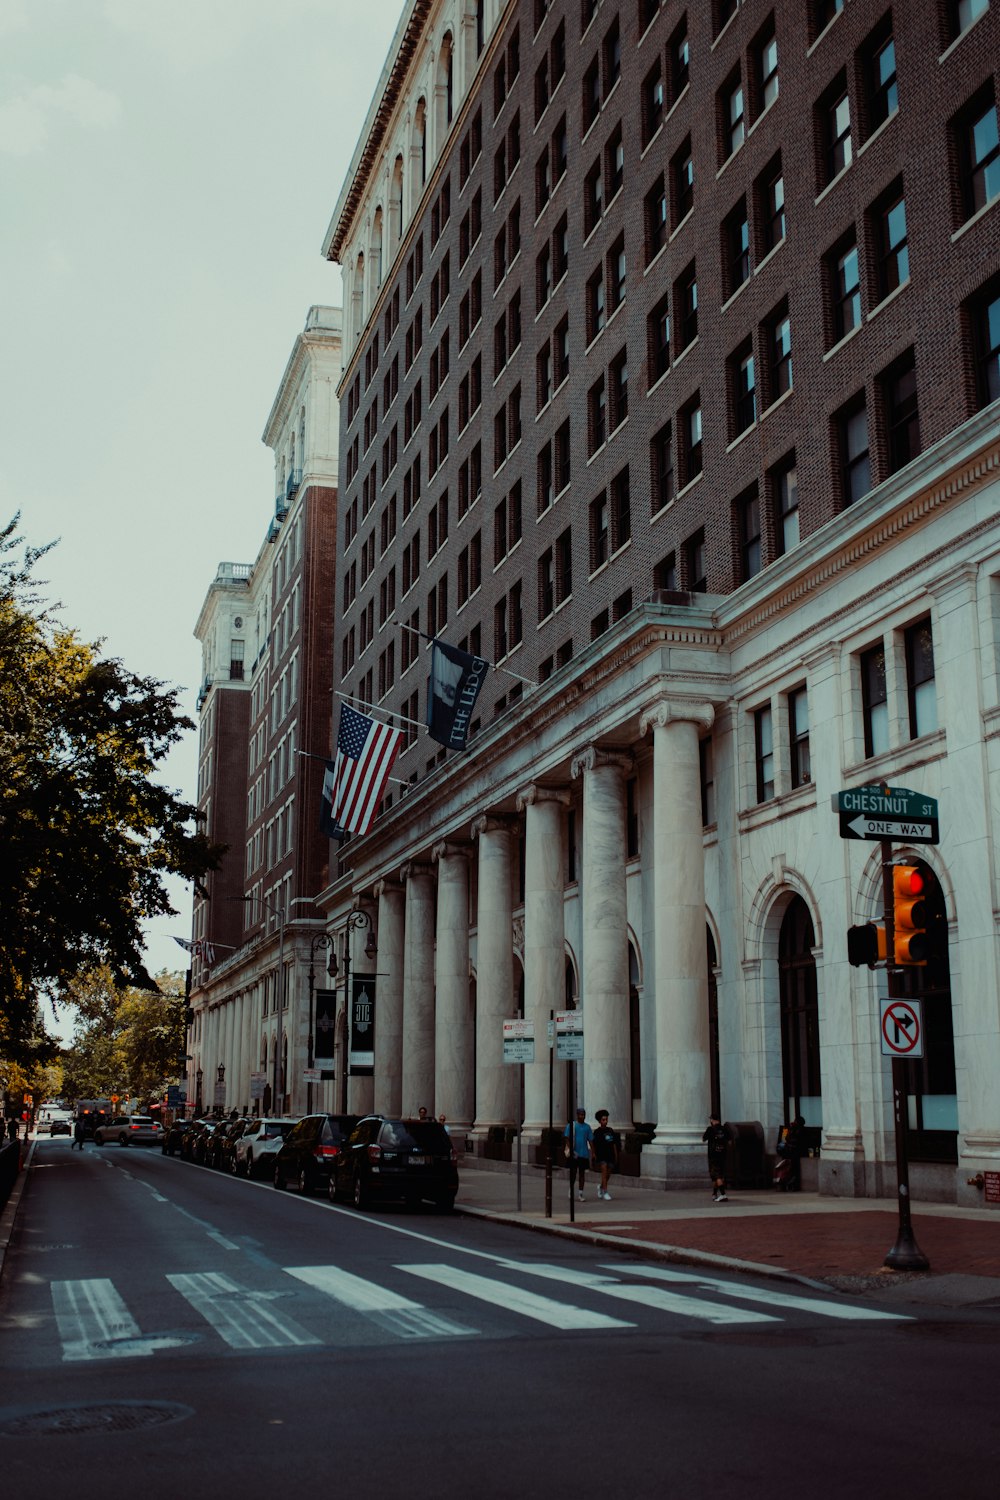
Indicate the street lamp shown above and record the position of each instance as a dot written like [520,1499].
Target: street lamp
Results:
[197,1078]
[325,941]
[275,909]
[356,922]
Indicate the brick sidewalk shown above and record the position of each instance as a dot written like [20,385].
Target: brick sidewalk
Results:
[824,1244]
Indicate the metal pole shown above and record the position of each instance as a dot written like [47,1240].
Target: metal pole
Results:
[571,1111]
[548,1155]
[520,1129]
[347,1019]
[278,1078]
[309,1039]
[905,1254]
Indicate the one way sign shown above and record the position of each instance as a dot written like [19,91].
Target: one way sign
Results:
[902,1028]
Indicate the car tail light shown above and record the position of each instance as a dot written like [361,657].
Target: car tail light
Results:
[135,1127]
[326,1153]
[374,1153]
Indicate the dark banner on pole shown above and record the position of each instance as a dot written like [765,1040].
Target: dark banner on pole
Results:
[361,1060]
[325,1049]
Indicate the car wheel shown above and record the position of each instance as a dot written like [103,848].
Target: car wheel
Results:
[123,1140]
[445,1203]
[305,1186]
[358,1195]
[248,1165]
[279,1179]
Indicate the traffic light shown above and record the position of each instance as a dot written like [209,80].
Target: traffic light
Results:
[910,911]
[865,945]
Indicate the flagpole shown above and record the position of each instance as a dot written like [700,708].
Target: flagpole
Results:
[492,665]
[375,708]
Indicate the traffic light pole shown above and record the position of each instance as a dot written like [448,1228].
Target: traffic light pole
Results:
[905,1254]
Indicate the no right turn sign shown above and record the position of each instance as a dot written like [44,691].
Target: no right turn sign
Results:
[902,1028]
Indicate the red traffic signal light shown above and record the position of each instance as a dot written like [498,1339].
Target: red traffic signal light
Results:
[865,945]
[910,912]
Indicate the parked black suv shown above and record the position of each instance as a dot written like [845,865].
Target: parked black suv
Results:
[309,1151]
[385,1158]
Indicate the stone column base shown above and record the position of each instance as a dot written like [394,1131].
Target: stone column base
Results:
[673,1166]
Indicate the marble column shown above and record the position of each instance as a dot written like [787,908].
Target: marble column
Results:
[389,1005]
[680,960]
[544,944]
[418,989]
[454,1033]
[605,984]
[496,1083]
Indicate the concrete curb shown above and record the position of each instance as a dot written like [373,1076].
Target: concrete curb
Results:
[679,1254]
[9,1214]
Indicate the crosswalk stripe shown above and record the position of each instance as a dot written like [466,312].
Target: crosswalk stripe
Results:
[240,1316]
[649,1296]
[773,1297]
[515,1299]
[90,1314]
[391,1309]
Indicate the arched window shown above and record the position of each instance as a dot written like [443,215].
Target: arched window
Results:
[375,253]
[358,298]
[396,206]
[800,1064]
[419,147]
[443,91]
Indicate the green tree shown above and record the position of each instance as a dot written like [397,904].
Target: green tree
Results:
[128,1040]
[88,834]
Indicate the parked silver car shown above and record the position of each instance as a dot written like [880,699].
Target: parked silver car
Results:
[129,1130]
[254,1152]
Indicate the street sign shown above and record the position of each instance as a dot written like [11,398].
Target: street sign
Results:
[312,1075]
[901,1025]
[518,1040]
[875,812]
[569,1036]
[258,1083]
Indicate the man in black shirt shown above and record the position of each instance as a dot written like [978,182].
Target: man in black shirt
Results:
[607,1148]
[717,1138]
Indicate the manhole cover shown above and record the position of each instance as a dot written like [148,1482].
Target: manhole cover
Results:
[119,1416]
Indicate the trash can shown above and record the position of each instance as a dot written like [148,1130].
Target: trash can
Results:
[745,1157]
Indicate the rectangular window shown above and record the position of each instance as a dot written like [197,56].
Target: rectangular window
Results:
[747,508]
[593,198]
[798,737]
[785,498]
[879,69]
[743,388]
[834,130]
[591,95]
[658,340]
[665,574]
[661,470]
[655,217]
[689,424]
[560,249]
[771,206]
[979,153]
[621,510]
[653,98]
[612,50]
[735,249]
[695,563]
[855,459]
[984,323]
[920,690]
[546,585]
[874,701]
[888,220]
[679,55]
[560,352]
[778,343]
[616,275]
[733,116]
[614,162]
[844,283]
[682,181]
[564,566]
[902,420]
[765,63]
[618,390]
[597,426]
[599,532]
[686,309]
[763,734]
[595,304]
[962,13]
[543,376]
[545,494]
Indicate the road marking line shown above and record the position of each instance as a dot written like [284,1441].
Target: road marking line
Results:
[238,1315]
[91,1314]
[393,1311]
[515,1299]
[774,1297]
[649,1296]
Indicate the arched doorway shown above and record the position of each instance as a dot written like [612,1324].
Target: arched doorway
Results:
[800,1053]
[714,1076]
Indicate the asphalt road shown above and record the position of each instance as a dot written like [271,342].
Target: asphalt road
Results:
[168,1331]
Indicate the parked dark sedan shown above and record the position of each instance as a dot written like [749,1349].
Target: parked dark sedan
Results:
[223,1144]
[309,1151]
[192,1146]
[403,1159]
[171,1142]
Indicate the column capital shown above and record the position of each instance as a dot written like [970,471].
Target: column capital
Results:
[387,887]
[414,870]
[447,849]
[492,823]
[535,793]
[597,755]
[676,710]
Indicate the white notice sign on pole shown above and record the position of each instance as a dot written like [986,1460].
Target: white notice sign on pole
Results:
[518,1040]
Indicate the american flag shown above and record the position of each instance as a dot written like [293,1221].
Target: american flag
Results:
[200,948]
[366,751]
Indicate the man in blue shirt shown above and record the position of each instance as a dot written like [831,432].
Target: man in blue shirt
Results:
[581,1151]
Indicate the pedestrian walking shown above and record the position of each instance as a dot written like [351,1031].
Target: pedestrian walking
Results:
[78,1132]
[716,1138]
[791,1150]
[579,1151]
[12,1130]
[607,1150]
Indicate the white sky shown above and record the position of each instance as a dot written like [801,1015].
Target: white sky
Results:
[168,169]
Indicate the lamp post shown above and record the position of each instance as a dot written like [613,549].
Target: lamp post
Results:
[275,909]
[356,922]
[197,1079]
[325,941]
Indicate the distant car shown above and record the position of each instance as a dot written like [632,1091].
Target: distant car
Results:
[255,1150]
[170,1136]
[60,1127]
[218,1148]
[391,1158]
[129,1130]
[309,1151]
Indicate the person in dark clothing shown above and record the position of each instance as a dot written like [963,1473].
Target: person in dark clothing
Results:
[78,1132]
[793,1154]
[12,1130]
[716,1138]
[607,1148]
